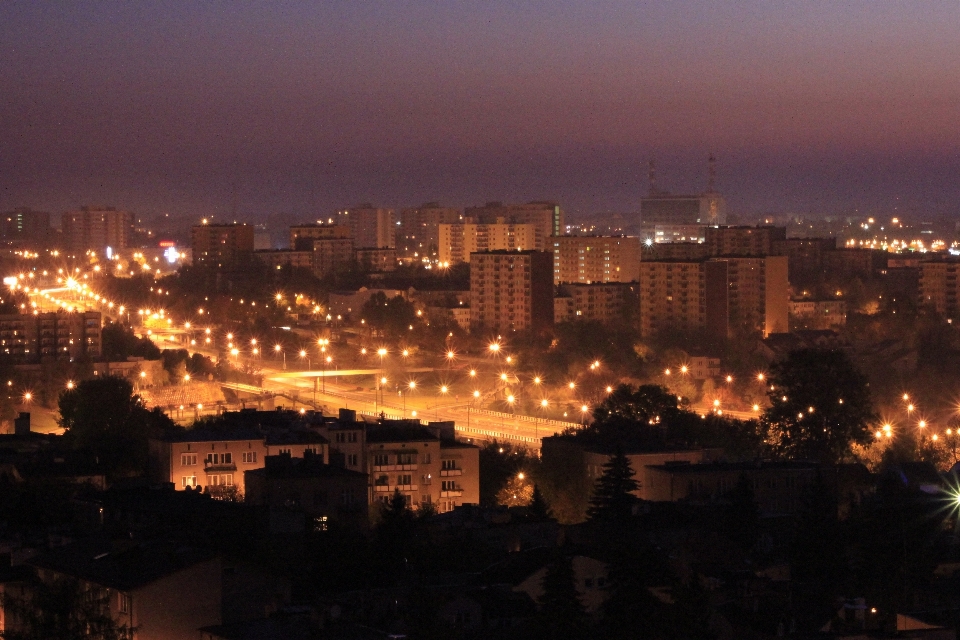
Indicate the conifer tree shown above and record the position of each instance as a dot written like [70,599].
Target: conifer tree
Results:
[613,497]
[538,507]
[561,611]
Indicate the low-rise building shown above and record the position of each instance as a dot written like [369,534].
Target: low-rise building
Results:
[608,303]
[279,258]
[376,260]
[818,314]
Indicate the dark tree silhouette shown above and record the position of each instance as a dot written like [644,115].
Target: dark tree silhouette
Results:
[561,611]
[613,497]
[538,507]
[819,406]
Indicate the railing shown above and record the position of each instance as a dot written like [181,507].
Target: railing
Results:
[451,494]
[451,472]
[525,418]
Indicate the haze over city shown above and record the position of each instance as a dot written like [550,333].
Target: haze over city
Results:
[307,107]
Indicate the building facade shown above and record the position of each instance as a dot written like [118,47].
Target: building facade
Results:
[589,259]
[303,235]
[279,258]
[25,227]
[939,288]
[376,260]
[220,244]
[458,241]
[608,303]
[418,234]
[370,227]
[667,209]
[61,334]
[95,229]
[742,241]
[546,216]
[511,290]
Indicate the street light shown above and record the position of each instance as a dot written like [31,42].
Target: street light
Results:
[411,386]
[278,349]
[443,390]
[583,414]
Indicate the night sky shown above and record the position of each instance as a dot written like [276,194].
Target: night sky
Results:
[187,107]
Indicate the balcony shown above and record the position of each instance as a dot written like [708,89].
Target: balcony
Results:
[381,488]
[215,467]
[451,494]
[444,473]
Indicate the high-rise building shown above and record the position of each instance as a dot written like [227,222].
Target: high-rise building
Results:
[220,244]
[607,303]
[96,229]
[939,288]
[588,259]
[719,296]
[331,255]
[370,227]
[669,209]
[742,241]
[24,226]
[303,235]
[418,234]
[31,337]
[458,241]
[511,290]
[547,216]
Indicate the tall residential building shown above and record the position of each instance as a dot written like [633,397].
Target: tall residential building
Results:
[370,227]
[458,241]
[804,257]
[331,255]
[303,235]
[95,228]
[24,226]
[279,258]
[742,241]
[588,259]
[547,216]
[608,303]
[718,296]
[511,290]
[220,244]
[668,209]
[31,337]
[418,234]
[939,288]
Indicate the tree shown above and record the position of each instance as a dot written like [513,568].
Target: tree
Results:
[643,405]
[61,610]
[613,498]
[538,507]
[819,406]
[103,417]
[518,492]
[561,611]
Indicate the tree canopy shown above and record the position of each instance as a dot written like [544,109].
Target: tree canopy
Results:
[819,406]
[613,497]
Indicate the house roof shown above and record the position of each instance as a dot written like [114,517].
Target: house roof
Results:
[123,565]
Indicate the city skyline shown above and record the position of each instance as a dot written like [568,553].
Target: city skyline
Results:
[299,108]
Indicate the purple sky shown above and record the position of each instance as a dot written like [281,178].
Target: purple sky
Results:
[303,107]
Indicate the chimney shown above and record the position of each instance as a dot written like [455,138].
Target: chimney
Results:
[21,424]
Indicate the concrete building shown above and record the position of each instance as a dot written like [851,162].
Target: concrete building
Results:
[418,234]
[818,314]
[279,258]
[718,295]
[609,303]
[546,216]
[804,257]
[589,259]
[426,464]
[220,244]
[849,262]
[939,289]
[217,459]
[667,233]
[25,227]
[458,241]
[331,255]
[668,209]
[703,367]
[303,235]
[162,590]
[742,241]
[376,260]
[325,493]
[370,227]
[684,251]
[95,228]
[30,338]
[511,290]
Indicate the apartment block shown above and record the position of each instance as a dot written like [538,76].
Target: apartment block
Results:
[718,296]
[32,337]
[849,262]
[703,209]
[376,260]
[303,235]
[95,228]
[220,244]
[939,289]
[458,241]
[279,258]
[742,240]
[425,464]
[688,251]
[418,234]
[546,216]
[608,303]
[370,227]
[819,314]
[511,290]
[589,259]
[805,257]
[331,255]
[25,227]
[216,459]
